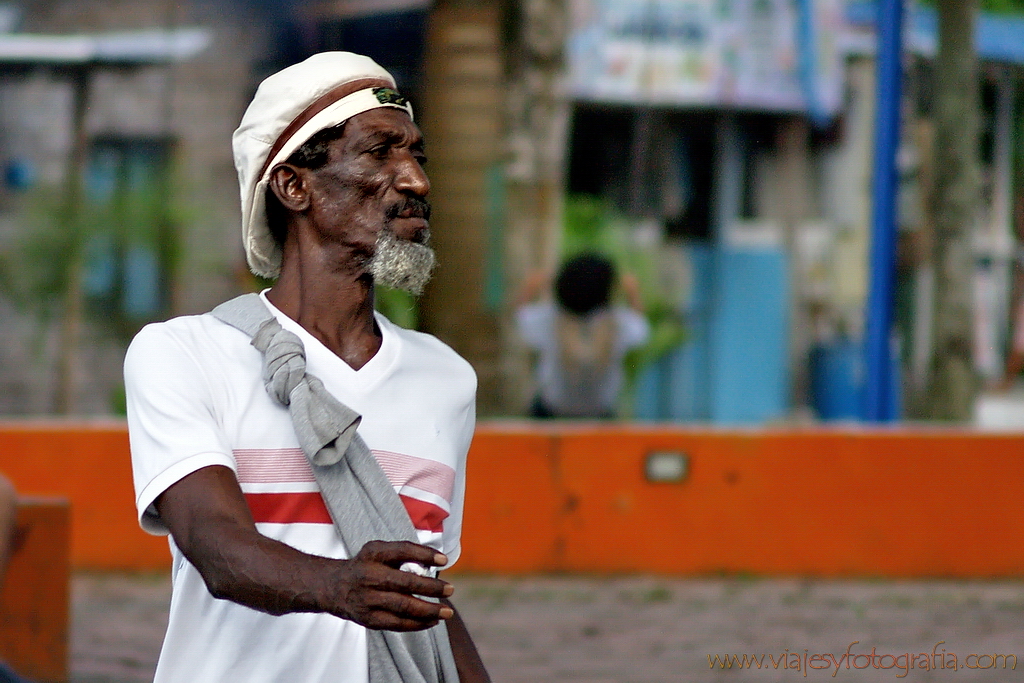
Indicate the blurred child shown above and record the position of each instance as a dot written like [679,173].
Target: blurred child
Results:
[580,336]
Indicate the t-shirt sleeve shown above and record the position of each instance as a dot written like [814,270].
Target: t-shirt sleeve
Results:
[173,429]
[634,329]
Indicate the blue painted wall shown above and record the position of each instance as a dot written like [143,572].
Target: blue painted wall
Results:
[734,366]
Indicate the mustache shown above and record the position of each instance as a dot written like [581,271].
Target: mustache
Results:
[413,207]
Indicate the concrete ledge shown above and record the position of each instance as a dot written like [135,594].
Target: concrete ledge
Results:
[830,502]
[817,502]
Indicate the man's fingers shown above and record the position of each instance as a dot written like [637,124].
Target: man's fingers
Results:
[412,607]
[385,621]
[373,586]
[366,580]
[397,553]
[397,612]
[395,581]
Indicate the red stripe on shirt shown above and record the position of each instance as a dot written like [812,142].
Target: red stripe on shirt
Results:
[288,508]
[425,516]
[309,508]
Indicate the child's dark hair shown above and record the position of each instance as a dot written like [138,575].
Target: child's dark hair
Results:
[584,283]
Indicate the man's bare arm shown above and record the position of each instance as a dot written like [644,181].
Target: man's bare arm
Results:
[467,660]
[211,523]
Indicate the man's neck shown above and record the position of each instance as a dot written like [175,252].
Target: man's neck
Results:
[335,307]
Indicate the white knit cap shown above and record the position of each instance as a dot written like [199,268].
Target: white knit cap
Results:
[301,95]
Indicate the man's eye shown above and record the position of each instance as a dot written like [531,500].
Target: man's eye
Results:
[380,151]
[421,158]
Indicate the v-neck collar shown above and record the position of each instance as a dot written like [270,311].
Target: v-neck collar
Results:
[325,364]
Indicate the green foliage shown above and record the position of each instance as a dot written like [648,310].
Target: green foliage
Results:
[993,6]
[63,246]
[586,225]
[1003,6]
[397,306]
[35,271]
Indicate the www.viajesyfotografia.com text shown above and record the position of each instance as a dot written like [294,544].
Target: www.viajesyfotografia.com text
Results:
[901,664]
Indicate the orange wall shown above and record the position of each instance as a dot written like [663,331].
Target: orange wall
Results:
[88,464]
[779,502]
[542,498]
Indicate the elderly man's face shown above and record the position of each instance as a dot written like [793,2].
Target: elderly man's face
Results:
[370,198]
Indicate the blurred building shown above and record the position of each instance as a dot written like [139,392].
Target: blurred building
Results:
[135,103]
[738,138]
[727,143]
[724,119]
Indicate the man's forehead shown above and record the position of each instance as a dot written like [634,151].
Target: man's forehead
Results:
[385,122]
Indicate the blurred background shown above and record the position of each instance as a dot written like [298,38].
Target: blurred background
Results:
[721,151]
[817,205]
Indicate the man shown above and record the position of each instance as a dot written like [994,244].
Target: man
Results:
[264,588]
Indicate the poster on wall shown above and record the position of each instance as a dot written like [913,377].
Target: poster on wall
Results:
[772,55]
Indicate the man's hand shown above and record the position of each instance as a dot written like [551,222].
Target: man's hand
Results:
[467,660]
[375,592]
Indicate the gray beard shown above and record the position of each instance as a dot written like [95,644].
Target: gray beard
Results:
[401,264]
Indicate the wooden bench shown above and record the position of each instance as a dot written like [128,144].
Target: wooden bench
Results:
[34,598]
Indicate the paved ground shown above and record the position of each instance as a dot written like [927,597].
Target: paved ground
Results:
[642,629]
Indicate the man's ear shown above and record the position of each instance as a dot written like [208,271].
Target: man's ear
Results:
[288,183]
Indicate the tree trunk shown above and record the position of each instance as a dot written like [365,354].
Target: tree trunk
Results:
[70,331]
[461,121]
[953,382]
[538,113]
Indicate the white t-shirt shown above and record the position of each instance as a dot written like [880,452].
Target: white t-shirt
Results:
[537,324]
[196,398]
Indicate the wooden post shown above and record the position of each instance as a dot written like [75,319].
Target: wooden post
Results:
[34,601]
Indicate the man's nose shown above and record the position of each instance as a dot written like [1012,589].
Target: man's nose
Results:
[412,178]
